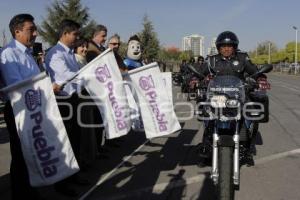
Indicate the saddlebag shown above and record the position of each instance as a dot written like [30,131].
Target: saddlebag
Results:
[260,107]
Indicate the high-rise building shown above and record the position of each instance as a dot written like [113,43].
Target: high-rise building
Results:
[212,49]
[195,43]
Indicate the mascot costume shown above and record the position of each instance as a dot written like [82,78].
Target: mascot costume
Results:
[134,53]
[133,61]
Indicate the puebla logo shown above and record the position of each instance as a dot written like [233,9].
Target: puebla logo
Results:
[146,82]
[102,73]
[33,99]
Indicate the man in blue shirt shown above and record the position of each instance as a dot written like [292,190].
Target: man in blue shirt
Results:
[16,65]
[61,65]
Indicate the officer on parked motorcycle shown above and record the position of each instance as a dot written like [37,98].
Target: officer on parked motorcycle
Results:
[229,61]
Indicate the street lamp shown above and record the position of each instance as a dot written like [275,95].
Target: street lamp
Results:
[269,60]
[296,49]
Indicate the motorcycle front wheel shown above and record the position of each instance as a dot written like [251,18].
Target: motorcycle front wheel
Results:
[225,185]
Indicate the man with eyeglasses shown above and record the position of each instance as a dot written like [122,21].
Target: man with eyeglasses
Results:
[114,44]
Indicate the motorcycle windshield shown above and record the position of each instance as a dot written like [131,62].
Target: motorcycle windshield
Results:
[231,86]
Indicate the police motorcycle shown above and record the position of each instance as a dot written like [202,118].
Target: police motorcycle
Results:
[184,81]
[231,110]
[176,78]
[189,82]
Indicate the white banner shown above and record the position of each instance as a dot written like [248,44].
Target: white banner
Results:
[46,148]
[157,111]
[103,81]
[135,114]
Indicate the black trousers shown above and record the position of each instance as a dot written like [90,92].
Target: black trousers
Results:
[68,111]
[20,185]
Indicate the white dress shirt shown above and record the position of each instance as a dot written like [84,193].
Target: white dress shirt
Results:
[61,64]
[17,63]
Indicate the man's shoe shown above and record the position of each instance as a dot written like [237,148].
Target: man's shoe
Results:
[204,151]
[249,160]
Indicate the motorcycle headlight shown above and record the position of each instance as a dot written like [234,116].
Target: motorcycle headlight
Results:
[218,101]
[232,103]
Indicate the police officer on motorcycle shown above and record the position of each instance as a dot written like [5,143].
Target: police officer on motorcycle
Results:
[228,61]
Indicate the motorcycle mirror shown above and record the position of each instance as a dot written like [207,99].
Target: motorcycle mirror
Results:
[265,69]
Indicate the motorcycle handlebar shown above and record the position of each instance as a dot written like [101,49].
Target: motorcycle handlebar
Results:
[198,74]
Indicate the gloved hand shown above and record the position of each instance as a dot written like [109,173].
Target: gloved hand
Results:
[208,78]
[263,83]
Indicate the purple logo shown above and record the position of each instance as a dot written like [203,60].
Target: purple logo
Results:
[121,123]
[146,82]
[33,99]
[102,73]
[44,153]
[160,117]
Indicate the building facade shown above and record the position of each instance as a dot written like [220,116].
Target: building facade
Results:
[194,43]
[212,49]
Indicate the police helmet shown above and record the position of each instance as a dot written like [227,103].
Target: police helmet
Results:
[227,37]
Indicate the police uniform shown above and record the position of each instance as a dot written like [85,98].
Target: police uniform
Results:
[238,65]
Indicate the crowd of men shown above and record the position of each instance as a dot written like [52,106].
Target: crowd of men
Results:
[61,62]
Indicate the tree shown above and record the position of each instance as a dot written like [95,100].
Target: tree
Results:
[123,49]
[263,48]
[290,51]
[149,41]
[186,55]
[65,9]
[169,54]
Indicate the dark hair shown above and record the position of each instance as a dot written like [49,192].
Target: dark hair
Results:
[134,37]
[79,43]
[17,22]
[68,26]
[200,58]
[192,60]
[98,29]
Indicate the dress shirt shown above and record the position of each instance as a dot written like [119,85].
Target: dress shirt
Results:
[17,63]
[61,64]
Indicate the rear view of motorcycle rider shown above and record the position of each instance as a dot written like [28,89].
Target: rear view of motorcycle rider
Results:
[229,61]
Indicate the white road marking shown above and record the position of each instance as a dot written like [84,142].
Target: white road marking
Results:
[276,156]
[101,180]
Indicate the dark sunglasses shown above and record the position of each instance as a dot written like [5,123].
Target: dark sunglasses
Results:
[115,43]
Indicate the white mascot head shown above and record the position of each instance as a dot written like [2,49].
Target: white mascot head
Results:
[134,50]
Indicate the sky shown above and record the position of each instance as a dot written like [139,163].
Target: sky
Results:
[253,21]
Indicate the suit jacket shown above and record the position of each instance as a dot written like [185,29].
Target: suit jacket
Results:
[93,51]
